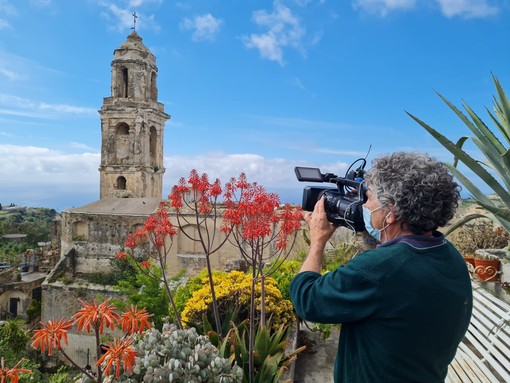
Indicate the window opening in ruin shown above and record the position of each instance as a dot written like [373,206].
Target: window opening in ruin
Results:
[125,82]
[154,89]
[153,145]
[13,306]
[123,128]
[120,184]
[80,231]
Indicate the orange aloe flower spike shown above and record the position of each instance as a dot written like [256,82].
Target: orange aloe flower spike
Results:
[96,316]
[134,320]
[11,373]
[51,335]
[119,352]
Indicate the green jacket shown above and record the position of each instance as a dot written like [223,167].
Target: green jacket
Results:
[404,307]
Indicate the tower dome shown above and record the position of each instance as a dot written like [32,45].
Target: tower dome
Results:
[134,50]
[134,71]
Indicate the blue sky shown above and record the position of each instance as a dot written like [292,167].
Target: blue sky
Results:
[253,86]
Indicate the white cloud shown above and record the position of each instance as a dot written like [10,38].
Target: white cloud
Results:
[467,8]
[43,177]
[66,109]
[18,106]
[60,180]
[283,30]
[205,27]
[267,172]
[30,166]
[275,174]
[4,24]
[80,146]
[383,7]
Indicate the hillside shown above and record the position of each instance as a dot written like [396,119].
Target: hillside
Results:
[32,225]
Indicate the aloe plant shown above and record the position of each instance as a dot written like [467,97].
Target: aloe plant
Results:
[494,145]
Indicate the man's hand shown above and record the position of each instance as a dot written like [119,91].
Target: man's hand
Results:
[321,231]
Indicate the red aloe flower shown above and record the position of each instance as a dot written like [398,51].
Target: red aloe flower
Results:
[11,374]
[121,255]
[51,335]
[131,241]
[145,264]
[96,316]
[119,352]
[177,193]
[216,188]
[134,320]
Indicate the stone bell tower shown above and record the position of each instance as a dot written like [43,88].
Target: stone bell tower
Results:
[132,122]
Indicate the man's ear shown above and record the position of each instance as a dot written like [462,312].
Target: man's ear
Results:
[391,217]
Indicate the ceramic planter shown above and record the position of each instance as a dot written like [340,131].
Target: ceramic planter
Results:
[487,269]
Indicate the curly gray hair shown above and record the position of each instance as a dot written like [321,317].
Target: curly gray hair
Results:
[420,189]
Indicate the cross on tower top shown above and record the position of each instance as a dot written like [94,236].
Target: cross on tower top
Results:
[134,21]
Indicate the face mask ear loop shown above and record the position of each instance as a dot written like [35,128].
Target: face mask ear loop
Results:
[387,225]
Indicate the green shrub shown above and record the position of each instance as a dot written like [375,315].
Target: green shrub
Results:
[233,291]
[178,356]
[284,274]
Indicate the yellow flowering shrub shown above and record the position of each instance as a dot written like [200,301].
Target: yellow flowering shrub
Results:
[233,292]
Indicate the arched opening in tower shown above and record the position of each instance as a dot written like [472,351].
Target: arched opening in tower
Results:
[154,89]
[125,82]
[153,146]
[120,183]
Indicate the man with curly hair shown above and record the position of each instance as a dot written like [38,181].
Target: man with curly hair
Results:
[404,305]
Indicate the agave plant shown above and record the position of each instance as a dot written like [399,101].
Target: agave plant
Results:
[494,169]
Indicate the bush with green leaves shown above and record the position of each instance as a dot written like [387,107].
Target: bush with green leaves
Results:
[178,356]
[284,274]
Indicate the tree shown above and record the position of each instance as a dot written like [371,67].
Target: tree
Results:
[198,199]
[263,232]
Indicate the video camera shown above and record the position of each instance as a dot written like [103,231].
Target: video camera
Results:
[343,203]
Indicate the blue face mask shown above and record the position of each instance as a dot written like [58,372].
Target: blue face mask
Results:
[367,215]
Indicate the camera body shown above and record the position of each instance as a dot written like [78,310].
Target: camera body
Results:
[343,203]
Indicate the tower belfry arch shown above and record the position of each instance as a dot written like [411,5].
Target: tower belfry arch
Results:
[132,126]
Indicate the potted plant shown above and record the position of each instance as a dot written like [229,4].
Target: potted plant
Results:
[486,266]
[479,234]
[470,261]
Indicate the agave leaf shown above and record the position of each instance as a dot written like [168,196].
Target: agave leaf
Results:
[483,132]
[503,106]
[500,121]
[497,162]
[460,144]
[475,129]
[269,371]
[461,222]
[473,189]
[471,163]
[485,140]
[501,213]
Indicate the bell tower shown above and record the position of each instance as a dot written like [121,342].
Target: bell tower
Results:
[132,126]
